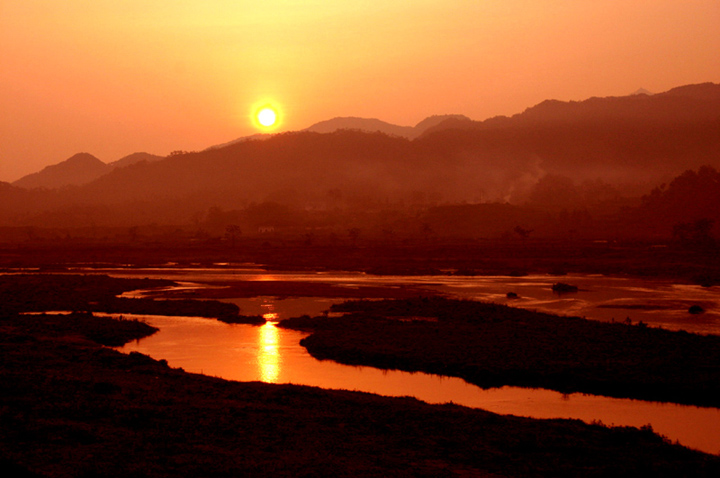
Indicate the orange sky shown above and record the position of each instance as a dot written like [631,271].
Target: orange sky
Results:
[114,77]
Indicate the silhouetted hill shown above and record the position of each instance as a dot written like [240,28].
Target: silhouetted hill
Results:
[308,163]
[702,91]
[372,125]
[361,124]
[375,125]
[692,102]
[252,137]
[79,169]
[134,158]
[690,197]
[630,138]
[435,121]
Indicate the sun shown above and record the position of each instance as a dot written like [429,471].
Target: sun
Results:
[267,116]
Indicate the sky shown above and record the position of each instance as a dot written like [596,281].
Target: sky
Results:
[114,77]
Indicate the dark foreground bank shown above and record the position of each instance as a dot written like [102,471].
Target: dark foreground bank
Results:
[71,407]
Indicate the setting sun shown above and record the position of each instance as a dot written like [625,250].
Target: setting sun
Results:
[266,117]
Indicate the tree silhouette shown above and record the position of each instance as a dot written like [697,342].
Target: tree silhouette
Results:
[697,234]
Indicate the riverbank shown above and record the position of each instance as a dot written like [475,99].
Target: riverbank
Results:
[74,408]
[430,256]
[99,293]
[491,345]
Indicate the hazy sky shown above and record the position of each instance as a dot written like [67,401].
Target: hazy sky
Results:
[112,77]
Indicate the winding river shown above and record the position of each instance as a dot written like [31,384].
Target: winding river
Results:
[271,354]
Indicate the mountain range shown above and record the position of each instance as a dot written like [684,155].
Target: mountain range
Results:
[375,125]
[83,168]
[79,169]
[635,141]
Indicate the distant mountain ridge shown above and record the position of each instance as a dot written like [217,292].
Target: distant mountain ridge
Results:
[79,169]
[689,102]
[641,139]
[372,125]
[369,125]
[84,168]
[134,158]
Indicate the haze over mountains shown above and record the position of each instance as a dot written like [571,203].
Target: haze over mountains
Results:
[619,145]
[81,168]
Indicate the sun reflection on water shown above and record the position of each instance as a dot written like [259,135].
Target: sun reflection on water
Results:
[270,315]
[268,353]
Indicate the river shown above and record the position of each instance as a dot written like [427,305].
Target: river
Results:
[272,354]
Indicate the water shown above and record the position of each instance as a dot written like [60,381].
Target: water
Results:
[271,354]
[659,303]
